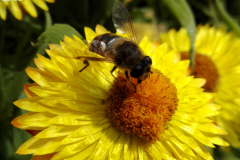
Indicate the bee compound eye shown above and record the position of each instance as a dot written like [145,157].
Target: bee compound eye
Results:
[148,60]
[137,71]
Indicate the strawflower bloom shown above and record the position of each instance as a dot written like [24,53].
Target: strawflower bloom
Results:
[90,115]
[17,7]
[217,59]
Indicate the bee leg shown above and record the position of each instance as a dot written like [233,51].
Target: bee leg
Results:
[126,73]
[86,59]
[116,78]
[112,73]
[87,64]
[139,81]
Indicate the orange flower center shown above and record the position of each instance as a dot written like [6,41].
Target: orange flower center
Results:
[146,112]
[204,68]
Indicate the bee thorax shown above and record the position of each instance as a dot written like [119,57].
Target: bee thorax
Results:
[128,55]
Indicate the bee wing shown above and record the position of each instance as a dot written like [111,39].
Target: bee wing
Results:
[122,20]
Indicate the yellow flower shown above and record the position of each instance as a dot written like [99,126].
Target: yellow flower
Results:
[16,7]
[217,60]
[89,114]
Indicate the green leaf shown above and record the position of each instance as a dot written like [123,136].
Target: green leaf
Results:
[7,149]
[13,90]
[226,17]
[183,13]
[19,137]
[2,92]
[56,33]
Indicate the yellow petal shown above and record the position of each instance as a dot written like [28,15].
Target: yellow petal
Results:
[50,1]
[182,146]
[3,11]
[28,93]
[181,136]
[89,33]
[32,119]
[41,4]
[49,147]
[157,154]
[23,149]
[40,77]
[29,7]
[191,117]
[105,143]
[100,29]
[197,82]
[89,129]
[56,131]
[193,131]
[218,141]
[45,157]
[15,10]
[142,154]
[117,148]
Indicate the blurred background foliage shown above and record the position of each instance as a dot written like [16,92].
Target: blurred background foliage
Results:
[150,17]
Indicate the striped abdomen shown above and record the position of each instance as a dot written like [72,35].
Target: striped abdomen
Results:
[103,43]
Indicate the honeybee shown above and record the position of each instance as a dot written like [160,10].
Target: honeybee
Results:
[121,51]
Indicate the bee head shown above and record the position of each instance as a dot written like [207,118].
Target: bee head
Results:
[142,69]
